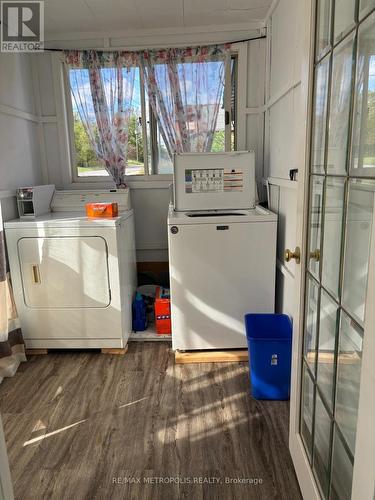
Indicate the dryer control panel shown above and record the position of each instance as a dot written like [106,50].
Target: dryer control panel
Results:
[75,201]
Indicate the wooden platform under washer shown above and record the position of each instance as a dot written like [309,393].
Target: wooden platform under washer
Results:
[108,350]
[235,355]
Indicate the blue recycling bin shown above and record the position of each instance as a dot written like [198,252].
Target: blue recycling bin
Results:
[269,338]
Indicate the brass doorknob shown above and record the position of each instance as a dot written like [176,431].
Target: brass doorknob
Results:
[315,255]
[289,255]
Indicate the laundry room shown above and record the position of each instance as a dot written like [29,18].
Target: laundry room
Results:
[187,260]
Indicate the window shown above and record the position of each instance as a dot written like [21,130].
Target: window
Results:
[86,162]
[147,153]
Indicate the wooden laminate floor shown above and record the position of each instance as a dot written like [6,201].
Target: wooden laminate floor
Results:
[86,426]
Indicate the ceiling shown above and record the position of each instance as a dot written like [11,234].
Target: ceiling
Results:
[108,16]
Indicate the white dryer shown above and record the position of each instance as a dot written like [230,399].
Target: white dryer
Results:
[222,251]
[74,277]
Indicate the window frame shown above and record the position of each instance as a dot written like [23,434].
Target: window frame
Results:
[148,149]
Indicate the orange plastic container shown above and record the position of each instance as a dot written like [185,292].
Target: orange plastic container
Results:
[101,209]
[163,312]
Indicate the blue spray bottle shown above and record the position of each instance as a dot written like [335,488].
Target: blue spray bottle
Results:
[139,313]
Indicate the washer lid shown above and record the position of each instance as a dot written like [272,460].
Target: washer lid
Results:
[257,214]
[209,181]
[66,219]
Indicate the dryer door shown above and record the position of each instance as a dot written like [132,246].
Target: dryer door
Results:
[64,272]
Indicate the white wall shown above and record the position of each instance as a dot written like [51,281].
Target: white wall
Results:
[151,207]
[254,80]
[285,131]
[20,162]
[150,198]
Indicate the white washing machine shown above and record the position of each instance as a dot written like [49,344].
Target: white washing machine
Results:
[74,277]
[222,250]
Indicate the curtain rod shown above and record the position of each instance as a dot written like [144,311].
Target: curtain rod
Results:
[110,49]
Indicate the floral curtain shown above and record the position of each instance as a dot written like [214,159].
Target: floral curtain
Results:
[12,349]
[102,85]
[185,88]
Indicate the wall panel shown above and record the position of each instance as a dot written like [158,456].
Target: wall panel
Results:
[256,61]
[20,162]
[285,296]
[16,85]
[285,134]
[285,129]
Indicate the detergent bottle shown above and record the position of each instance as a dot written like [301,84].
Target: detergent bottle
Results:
[139,313]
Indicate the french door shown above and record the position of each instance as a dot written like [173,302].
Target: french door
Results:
[333,387]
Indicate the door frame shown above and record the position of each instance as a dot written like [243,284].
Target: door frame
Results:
[364,457]
[301,463]
[364,463]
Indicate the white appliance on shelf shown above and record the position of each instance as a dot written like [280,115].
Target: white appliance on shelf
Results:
[222,250]
[74,277]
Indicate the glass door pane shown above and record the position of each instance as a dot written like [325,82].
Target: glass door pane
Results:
[340,107]
[315,223]
[365,6]
[322,438]
[348,378]
[363,156]
[310,337]
[357,248]
[333,219]
[307,409]
[344,17]
[320,115]
[323,27]
[326,346]
[342,471]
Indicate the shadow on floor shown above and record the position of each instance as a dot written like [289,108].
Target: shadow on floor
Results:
[84,426]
